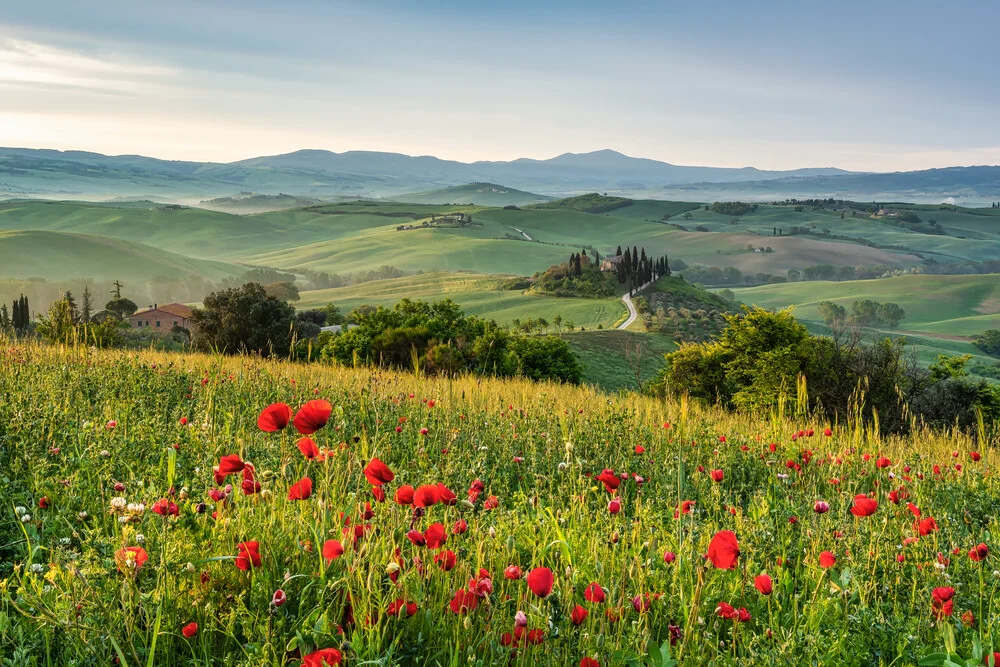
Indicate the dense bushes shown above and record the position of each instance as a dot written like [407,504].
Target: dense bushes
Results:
[437,338]
[989,342]
[760,357]
[732,207]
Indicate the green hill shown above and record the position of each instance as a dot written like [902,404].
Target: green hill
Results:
[481,194]
[61,255]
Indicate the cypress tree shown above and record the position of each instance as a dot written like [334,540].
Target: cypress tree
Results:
[619,252]
[85,312]
[635,260]
[666,266]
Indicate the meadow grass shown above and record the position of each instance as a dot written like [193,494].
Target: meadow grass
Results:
[74,423]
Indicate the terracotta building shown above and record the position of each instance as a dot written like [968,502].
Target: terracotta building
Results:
[163,318]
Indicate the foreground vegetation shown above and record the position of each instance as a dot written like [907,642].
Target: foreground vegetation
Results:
[155,513]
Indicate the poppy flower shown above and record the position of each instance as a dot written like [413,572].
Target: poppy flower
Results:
[717,475]
[942,602]
[828,432]
[540,581]
[763,584]
[417,538]
[43,503]
[190,630]
[975,456]
[979,552]
[578,615]
[821,507]
[827,560]
[435,536]
[398,607]
[610,480]
[725,610]
[332,549]
[131,559]
[378,493]
[615,506]
[724,550]
[883,462]
[279,598]
[587,661]
[536,636]
[460,527]
[669,557]
[445,495]
[683,508]
[594,593]
[639,449]
[324,656]
[378,473]
[274,417]
[446,559]
[863,505]
[512,572]
[927,526]
[231,464]
[914,510]
[309,449]
[312,416]
[248,555]
[463,601]
[404,495]
[425,496]
[165,507]
[301,490]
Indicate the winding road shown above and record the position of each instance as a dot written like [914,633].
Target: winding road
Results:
[632,312]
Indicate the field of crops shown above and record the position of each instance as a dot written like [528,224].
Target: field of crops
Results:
[158,509]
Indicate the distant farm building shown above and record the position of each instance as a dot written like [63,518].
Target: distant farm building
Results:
[611,263]
[163,318]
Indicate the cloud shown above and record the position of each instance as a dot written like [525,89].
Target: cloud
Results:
[32,65]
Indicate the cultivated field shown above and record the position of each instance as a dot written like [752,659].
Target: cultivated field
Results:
[151,517]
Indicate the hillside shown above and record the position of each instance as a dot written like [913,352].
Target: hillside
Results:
[62,255]
[481,194]
[246,204]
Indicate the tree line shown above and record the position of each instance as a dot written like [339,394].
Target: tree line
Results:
[635,269]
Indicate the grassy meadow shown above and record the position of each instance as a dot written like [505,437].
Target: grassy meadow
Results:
[586,528]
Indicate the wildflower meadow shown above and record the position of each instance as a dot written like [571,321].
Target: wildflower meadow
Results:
[167,509]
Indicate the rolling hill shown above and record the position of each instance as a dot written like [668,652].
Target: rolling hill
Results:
[481,194]
[63,255]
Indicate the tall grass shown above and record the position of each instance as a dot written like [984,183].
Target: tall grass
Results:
[537,448]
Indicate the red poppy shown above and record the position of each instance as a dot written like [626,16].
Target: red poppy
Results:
[763,584]
[914,510]
[669,557]
[717,475]
[725,610]
[378,473]
[942,602]
[615,506]
[827,559]
[464,601]
[445,495]
[883,462]
[312,416]
[426,495]
[324,656]
[821,507]
[587,661]
[404,495]
[332,549]
[460,527]
[231,464]
[724,550]
[996,659]
[975,456]
[979,552]
[512,572]
[863,505]
[131,559]
[309,449]
[639,449]
[435,536]
[536,636]
[43,503]
[927,526]
[301,490]
[594,593]
[398,607]
[828,432]
[165,507]
[684,508]
[579,615]
[416,537]
[274,417]
[248,555]
[610,480]
[540,581]
[190,630]
[279,598]
[446,559]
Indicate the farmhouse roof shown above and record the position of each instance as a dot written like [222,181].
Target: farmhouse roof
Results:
[177,309]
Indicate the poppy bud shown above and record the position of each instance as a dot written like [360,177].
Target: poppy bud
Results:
[465,506]
[279,598]
[492,532]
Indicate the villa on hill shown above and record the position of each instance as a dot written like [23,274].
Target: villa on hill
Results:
[162,317]
[611,263]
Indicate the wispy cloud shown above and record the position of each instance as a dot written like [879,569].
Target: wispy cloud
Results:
[32,64]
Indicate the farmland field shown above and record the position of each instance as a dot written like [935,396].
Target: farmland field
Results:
[725,540]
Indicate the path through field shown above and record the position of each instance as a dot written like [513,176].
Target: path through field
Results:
[632,313]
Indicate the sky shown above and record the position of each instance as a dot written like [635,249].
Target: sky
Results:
[874,85]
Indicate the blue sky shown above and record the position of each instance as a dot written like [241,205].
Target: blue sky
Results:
[877,85]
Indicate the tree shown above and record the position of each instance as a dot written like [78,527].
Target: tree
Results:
[557,321]
[122,307]
[832,313]
[4,317]
[59,324]
[890,314]
[989,342]
[285,291]
[21,315]
[244,319]
[545,358]
[333,314]
[86,310]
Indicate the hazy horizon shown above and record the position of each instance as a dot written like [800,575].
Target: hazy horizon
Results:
[780,85]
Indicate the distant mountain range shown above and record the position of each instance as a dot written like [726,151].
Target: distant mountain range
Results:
[319,173]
